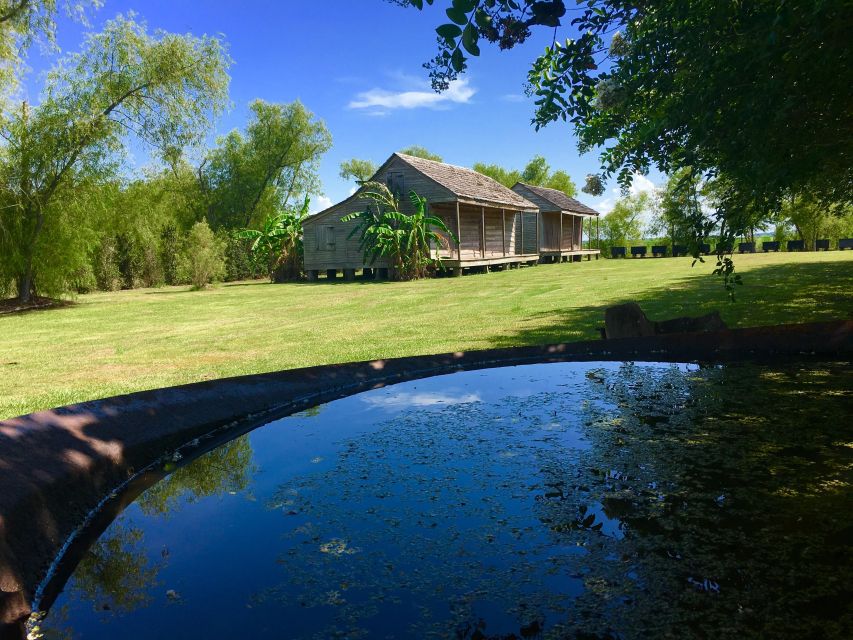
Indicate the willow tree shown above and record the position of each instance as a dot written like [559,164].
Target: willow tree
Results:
[24,21]
[160,89]
[250,176]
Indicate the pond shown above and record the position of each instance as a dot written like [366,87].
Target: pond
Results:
[572,500]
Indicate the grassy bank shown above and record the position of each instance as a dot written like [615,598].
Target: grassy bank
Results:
[111,343]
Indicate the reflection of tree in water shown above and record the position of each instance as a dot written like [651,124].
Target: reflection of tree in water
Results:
[227,468]
[730,487]
[116,575]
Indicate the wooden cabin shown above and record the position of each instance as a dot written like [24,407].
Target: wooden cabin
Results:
[495,226]
[561,224]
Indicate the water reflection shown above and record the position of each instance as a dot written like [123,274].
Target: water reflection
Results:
[551,501]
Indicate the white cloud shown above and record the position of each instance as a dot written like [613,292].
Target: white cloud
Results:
[380,101]
[320,203]
[404,399]
[640,184]
[512,97]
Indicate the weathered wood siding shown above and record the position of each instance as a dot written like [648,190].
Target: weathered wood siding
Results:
[326,241]
[525,239]
[550,239]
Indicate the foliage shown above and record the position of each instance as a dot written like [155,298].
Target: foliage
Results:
[814,220]
[405,240]
[239,261]
[359,170]
[758,92]
[536,172]
[170,243]
[24,21]
[203,257]
[278,243]
[421,152]
[250,176]
[680,212]
[624,224]
[507,177]
[161,89]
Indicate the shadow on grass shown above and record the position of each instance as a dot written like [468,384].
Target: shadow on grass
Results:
[12,307]
[770,295]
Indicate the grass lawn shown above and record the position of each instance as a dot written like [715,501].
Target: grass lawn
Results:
[112,343]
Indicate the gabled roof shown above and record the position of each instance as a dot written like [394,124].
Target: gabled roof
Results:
[467,184]
[560,200]
[464,184]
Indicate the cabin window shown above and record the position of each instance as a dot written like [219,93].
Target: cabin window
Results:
[326,238]
[394,182]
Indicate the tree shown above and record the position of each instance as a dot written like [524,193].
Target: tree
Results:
[758,92]
[203,256]
[536,172]
[359,170]
[21,23]
[421,152]
[680,212]
[278,243]
[624,224]
[249,177]
[406,240]
[161,89]
[507,177]
[813,220]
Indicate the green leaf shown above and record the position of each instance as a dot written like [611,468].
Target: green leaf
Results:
[465,6]
[457,61]
[449,32]
[459,17]
[469,40]
[483,19]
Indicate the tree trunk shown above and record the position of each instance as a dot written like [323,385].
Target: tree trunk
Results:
[25,283]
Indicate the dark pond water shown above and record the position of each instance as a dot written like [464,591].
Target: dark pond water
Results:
[595,500]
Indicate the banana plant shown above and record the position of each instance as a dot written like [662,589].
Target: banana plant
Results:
[405,240]
[278,243]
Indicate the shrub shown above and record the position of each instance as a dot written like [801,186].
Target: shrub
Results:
[203,256]
[105,265]
[239,264]
[170,247]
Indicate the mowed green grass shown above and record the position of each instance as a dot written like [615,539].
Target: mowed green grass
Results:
[111,343]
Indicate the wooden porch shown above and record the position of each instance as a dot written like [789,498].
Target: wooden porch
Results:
[569,255]
[486,235]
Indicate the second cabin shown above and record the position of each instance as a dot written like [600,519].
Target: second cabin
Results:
[495,226]
[561,224]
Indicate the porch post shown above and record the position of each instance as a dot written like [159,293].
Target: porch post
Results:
[458,234]
[482,232]
[598,232]
[503,229]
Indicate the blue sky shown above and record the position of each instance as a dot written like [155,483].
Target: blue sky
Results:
[357,64]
